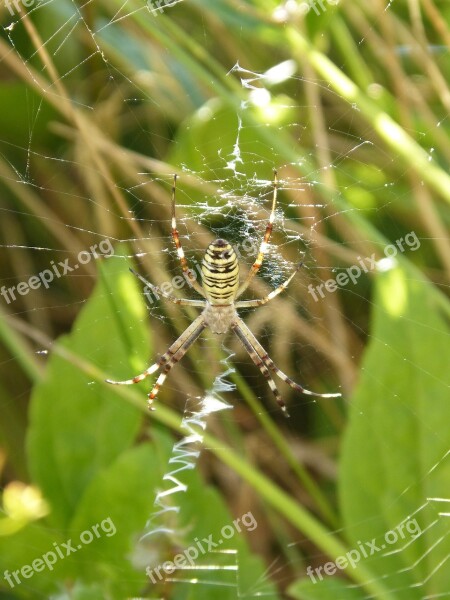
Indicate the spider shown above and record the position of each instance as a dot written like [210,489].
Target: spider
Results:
[220,289]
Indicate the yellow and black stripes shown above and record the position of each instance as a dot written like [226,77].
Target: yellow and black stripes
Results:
[220,273]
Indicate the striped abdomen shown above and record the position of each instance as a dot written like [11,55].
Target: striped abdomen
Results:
[220,273]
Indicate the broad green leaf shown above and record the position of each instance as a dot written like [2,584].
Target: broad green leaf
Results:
[394,455]
[21,550]
[79,427]
[330,588]
[114,510]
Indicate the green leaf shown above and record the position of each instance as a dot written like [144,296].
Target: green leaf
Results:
[114,510]
[394,455]
[21,549]
[325,589]
[79,427]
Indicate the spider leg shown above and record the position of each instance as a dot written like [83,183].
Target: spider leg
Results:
[263,247]
[177,356]
[271,365]
[197,324]
[187,271]
[273,293]
[159,292]
[259,362]
[295,385]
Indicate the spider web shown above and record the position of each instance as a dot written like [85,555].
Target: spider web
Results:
[224,190]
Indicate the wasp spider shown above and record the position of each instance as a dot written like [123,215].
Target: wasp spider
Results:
[220,289]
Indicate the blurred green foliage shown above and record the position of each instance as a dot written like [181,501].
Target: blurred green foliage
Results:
[100,104]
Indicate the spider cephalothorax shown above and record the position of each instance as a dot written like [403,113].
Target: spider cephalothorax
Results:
[220,289]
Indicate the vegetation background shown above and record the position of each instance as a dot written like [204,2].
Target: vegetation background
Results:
[100,103]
